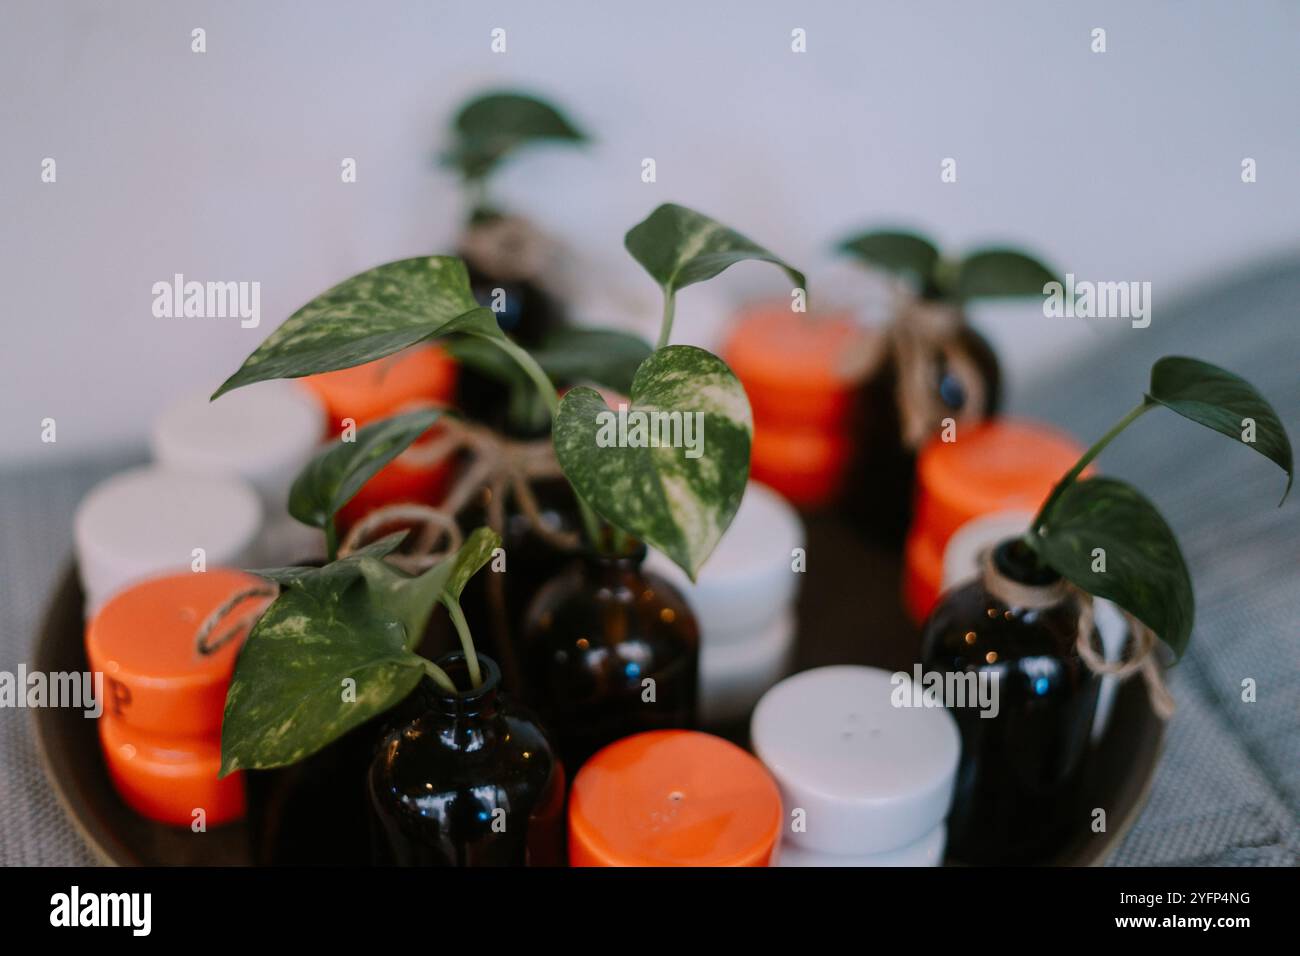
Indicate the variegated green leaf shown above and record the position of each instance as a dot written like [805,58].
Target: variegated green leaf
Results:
[337,473]
[491,127]
[313,649]
[1227,403]
[903,253]
[412,597]
[678,499]
[679,247]
[1144,571]
[373,314]
[335,649]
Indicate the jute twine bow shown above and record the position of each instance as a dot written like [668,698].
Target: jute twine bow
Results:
[509,248]
[497,467]
[239,626]
[1141,657]
[923,333]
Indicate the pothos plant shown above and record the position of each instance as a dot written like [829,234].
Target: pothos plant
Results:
[985,272]
[491,128]
[1101,534]
[358,618]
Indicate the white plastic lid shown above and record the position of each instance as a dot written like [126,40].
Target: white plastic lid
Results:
[748,581]
[264,433]
[149,520]
[869,776]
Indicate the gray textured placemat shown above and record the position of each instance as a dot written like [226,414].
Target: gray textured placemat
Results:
[1227,791]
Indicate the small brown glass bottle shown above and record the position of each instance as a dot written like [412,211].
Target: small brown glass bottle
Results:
[472,781]
[609,650]
[1018,792]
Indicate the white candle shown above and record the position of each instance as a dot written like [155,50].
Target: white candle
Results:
[926,851]
[265,434]
[858,775]
[743,602]
[149,520]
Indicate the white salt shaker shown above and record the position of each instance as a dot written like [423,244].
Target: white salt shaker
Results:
[149,520]
[861,776]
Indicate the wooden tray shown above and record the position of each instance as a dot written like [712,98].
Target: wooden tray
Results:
[847,584]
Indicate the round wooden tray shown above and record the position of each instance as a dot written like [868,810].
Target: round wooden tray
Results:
[847,585]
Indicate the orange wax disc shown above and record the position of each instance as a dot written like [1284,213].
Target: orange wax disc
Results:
[168,779]
[796,368]
[397,483]
[379,389]
[997,465]
[673,798]
[805,465]
[143,640]
[922,576]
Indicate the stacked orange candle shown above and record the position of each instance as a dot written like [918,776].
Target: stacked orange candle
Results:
[799,374]
[998,465]
[673,798]
[161,725]
[377,390]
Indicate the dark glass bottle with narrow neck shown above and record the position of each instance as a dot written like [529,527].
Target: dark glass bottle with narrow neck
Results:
[609,650]
[471,781]
[1019,784]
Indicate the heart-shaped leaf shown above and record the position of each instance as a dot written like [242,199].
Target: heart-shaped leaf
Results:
[290,694]
[491,127]
[336,474]
[1144,569]
[411,597]
[1218,399]
[1001,272]
[671,467]
[373,314]
[679,247]
[899,252]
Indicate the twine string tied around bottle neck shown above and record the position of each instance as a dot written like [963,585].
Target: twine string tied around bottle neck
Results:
[243,624]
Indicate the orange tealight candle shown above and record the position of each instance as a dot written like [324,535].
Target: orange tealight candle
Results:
[673,798]
[170,779]
[377,390]
[143,641]
[1000,464]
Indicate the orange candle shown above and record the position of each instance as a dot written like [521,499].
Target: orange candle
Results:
[143,640]
[377,390]
[673,798]
[1001,464]
[170,779]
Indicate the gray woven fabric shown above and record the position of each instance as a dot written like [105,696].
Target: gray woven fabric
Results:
[1227,791]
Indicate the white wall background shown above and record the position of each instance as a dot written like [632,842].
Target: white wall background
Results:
[1123,165]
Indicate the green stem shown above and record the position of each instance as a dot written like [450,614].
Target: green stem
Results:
[440,677]
[1086,460]
[331,539]
[466,642]
[666,323]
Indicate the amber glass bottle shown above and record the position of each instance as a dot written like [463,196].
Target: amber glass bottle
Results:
[609,650]
[471,781]
[1019,792]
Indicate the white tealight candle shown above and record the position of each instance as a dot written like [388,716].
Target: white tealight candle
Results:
[265,434]
[749,580]
[927,851]
[734,676]
[862,768]
[149,520]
